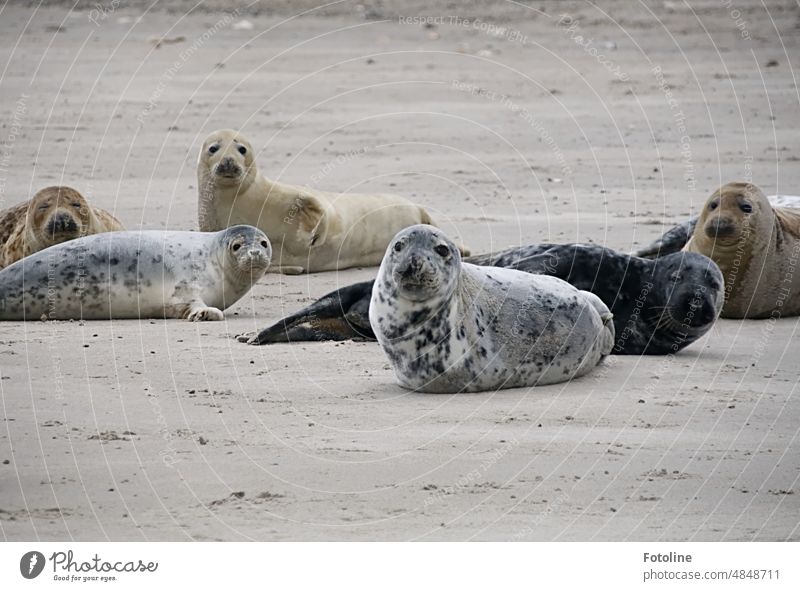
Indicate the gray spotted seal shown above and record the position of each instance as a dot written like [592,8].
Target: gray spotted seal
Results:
[311,230]
[53,215]
[448,326]
[148,274]
[755,243]
[660,306]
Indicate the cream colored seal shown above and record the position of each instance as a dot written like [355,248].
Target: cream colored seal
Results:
[54,215]
[310,230]
[757,248]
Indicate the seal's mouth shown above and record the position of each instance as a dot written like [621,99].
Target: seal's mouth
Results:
[722,231]
[62,225]
[228,169]
[702,314]
[414,288]
[253,261]
[257,261]
[233,173]
[696,313]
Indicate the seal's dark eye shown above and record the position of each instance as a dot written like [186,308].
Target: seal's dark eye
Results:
[713,205]
[242,150]
[264,243]
[213,148]
[676,276]
[236,247]
[398,246]
[78,205]
[442,250]
[746,207]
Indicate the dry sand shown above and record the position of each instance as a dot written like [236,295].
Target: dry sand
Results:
[159,430]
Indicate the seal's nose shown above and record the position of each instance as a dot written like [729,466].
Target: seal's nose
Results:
[707,313]
[62,223]
[702,308]
[720,228]
[227,167]
[412,266]
[256,255]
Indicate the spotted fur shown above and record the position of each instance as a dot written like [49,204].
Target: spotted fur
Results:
[448,326]
[147,274]
[659,306]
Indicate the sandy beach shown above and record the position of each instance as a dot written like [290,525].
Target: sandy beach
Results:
[513,124]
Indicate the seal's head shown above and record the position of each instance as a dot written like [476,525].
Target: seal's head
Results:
[694,291]
[422,263]
[248,251]
[227,159]
[58,214]
[732,215]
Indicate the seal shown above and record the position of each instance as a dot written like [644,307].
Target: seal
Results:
[660,306]
[448,326]
[311,230]
[674,239]
[52,216]
[755,244]
[149,274]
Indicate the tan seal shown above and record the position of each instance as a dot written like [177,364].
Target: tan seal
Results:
[310,230]
[757,248]
[54,215]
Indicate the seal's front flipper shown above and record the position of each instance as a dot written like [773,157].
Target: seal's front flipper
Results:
[338,316]
[312,220]
[202,313]
[673,240]
[193,311]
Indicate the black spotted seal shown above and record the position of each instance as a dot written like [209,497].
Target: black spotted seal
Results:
[660,306]
[448,326]
[148,274]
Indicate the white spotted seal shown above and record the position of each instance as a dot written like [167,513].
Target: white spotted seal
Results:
[310,230]
[448,326]
[660,306]
[149,274]
[755,244]
[52,216]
